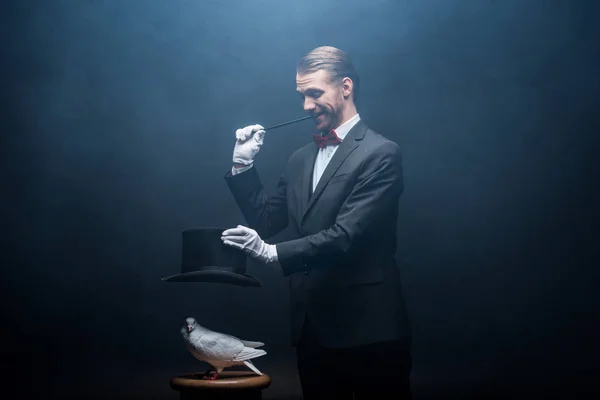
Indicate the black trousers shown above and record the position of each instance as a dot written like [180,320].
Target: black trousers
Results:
[374,371]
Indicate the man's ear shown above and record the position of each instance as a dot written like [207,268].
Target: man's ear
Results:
[347,87]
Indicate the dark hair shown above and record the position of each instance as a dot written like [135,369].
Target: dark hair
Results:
[333,60]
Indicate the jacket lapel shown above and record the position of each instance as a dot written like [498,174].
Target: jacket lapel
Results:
[348,145]
[306,186]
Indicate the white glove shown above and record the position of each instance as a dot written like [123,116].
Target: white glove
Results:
[247,145]
[247,239]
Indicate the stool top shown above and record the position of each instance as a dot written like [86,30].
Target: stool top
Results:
[227,380]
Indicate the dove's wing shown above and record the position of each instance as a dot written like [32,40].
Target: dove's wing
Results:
[248,353]
[218,346]
[247,343]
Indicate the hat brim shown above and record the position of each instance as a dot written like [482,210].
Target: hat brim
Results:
[215,276]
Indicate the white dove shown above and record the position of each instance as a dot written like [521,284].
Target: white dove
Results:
[219,349]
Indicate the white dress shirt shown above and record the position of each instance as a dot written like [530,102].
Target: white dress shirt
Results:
[326,153]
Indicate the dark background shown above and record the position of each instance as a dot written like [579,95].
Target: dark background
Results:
[118,121]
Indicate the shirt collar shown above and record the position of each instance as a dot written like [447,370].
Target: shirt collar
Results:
[343,129]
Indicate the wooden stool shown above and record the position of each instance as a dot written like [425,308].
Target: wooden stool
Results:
[230,385]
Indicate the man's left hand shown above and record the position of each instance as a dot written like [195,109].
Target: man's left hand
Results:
[247,239]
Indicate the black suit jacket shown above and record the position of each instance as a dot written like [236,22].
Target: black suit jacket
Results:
[342,265]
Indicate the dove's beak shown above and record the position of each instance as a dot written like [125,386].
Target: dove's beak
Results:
[189,328]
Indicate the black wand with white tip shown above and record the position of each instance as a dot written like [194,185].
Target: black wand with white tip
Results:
[285,123]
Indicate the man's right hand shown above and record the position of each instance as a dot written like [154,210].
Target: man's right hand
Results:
[247,145]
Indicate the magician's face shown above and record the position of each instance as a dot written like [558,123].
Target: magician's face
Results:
[322,100]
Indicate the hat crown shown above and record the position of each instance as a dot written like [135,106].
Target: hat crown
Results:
[203,249]
[205,258]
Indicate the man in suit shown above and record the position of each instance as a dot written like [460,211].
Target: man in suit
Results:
[339,195]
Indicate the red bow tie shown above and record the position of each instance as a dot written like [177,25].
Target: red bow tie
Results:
[330,138]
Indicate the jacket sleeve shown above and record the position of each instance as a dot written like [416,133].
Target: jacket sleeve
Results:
[266,214]
[378,184]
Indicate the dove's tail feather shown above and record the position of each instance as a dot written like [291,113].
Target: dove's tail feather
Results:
[248,353]
[248,343]
[249,364]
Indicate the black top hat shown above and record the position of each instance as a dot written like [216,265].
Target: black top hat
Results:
[206,259]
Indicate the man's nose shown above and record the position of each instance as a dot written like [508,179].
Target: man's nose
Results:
[309,105]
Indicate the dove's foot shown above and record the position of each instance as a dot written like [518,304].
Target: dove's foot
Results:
[211,375]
